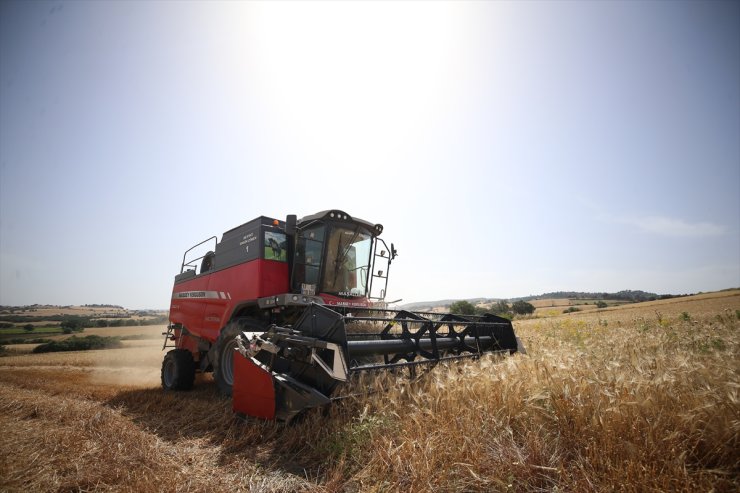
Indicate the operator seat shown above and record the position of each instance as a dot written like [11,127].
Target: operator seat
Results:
[207,263]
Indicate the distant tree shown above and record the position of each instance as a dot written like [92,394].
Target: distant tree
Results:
[101,322]
[462,307]
[71,324]
[601,304]
[501,306]
[522,307]
[28,327]
[74,323]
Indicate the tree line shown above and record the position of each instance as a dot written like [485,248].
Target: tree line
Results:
[625,295]
[76,322]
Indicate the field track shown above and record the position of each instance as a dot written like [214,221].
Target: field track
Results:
[642,397]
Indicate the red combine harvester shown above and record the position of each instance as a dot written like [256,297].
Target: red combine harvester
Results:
[282,313]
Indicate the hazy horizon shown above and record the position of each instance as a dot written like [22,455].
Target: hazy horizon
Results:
[400,303]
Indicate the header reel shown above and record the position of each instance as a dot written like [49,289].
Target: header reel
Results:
[285,371]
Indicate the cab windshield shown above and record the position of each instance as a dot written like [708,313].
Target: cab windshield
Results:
[347,261]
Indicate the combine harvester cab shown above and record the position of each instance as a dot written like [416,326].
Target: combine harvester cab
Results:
[283,313]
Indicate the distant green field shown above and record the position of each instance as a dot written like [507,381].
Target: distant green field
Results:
[16,331]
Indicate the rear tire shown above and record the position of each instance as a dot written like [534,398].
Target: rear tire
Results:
[223,362]
[178,370]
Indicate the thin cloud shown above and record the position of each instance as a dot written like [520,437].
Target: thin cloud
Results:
[667,226]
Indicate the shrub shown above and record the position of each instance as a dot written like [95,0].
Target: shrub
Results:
[75,323]
[462,307]
[26,340]
[571,309]
[601,304]
[75,343]
[28,327]
[501,307]
[522,308]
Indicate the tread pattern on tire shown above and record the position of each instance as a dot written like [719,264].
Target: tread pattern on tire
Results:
[183,368]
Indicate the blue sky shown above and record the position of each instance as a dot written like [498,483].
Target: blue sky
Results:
[508,148]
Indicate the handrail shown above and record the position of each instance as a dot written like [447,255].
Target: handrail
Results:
[182,267]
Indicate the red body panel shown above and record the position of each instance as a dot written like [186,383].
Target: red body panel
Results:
[253,392]
[204,304]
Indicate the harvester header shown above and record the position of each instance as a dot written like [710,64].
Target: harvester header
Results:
[283,312]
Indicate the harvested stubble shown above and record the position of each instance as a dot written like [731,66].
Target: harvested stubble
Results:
[622,403]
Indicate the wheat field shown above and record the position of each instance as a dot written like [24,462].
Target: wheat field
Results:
[642,397]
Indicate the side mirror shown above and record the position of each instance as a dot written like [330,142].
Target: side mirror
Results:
[290,224]
[394,252]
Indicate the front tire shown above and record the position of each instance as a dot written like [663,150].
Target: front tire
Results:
[178,370]
[223,363]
